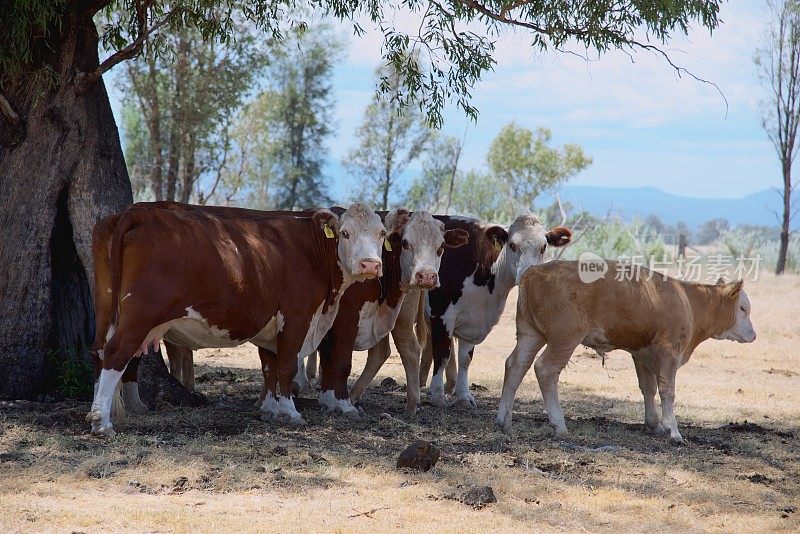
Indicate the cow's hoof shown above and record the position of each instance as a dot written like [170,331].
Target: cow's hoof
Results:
[352,414]
[658,429]
[440,401]
[676,439]
[411,409]
[269,417]
[295,421]
[106,431]
[138,408]
[466,402]
[559,430]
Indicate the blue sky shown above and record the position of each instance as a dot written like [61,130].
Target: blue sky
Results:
[641,123]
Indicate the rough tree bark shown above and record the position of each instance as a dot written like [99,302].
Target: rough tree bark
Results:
[57,179]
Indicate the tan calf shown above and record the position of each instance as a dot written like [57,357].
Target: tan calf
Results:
[658,320]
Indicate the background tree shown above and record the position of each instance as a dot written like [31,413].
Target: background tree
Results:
[524,165]
[711,230]
[187,91]
[778,65]
[61,161]
[299,116]
[391,136]
[435,188]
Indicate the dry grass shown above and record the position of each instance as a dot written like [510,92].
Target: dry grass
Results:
[221,468]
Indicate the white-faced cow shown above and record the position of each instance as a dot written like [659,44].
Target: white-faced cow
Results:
[658,320]
[203,279]
[474,284]
[368,310]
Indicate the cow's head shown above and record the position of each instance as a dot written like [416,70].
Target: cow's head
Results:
[422,240]
[361,236]
[742,329]
[526,242]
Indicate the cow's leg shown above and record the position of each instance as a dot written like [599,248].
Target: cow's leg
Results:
[451,370]
[648,387]
[668,369]
[463,395]
[548,368]
[311,367]
[268,399]
[130,388]
[175,357]
[440,346]
[376,357]
[408,346]
[426,360]
[529,343]
[188,368]
[117,353]
[290,341]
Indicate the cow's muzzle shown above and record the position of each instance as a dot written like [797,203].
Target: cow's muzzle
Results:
[426,279]
[370,268]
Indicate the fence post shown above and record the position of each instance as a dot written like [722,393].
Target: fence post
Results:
[682,245]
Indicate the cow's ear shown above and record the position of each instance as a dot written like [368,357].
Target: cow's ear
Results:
[559,236]
[496,234]
[733,289]
[397,220]
[326,218]
[457,237]
[720,281]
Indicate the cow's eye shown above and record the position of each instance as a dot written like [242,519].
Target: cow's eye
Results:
[544,247]
[345,234]
[743,309]
[406,245]
[513,247]
[440,250]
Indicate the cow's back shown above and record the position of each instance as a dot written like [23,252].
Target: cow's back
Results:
[626,313]
[233,272]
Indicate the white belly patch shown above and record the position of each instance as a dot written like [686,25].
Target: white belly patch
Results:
[374,323]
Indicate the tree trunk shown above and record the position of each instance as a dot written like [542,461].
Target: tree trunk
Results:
[786,219]
[67,173]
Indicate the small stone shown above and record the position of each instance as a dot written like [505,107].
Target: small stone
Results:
[478,496]
[279,450]
[421,456]
[389,383]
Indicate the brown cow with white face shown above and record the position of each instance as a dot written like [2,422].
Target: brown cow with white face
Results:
[659,320]
[209,279]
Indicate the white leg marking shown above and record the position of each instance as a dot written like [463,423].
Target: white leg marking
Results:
[288,413]
[463,395]
[436,391]
[100,415]
[331,404]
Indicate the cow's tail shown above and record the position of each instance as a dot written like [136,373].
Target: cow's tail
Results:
[421,324]
[127,222]
[118,404]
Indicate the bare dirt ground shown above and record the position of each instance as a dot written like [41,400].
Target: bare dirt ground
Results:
[220,468]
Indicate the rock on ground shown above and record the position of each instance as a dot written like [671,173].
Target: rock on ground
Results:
[421,455]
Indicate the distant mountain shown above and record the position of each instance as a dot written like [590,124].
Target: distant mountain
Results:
[642,201]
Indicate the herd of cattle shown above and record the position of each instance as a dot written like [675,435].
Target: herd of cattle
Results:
[335,281]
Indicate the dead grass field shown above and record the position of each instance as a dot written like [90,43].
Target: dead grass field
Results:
[221,469]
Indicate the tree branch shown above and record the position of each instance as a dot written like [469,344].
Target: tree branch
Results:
[84,80]
[503,17]
[15,123]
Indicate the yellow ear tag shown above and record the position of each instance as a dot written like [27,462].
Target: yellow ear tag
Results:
[387,245]
[497,245]
[328,232]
